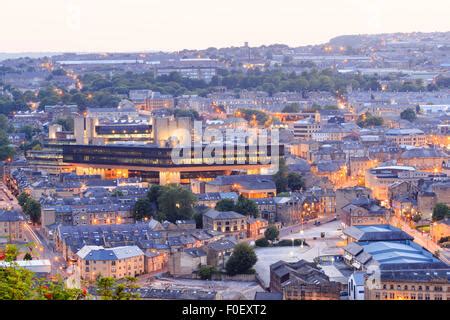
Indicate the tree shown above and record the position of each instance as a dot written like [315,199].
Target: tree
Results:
[271,233]
[6,151]
[3,121]
[440,211]
[154,192]
[11,252]
[66,123]
[32,208]
[408,114]
[242,259]
[281,177]
[142,209]
[28,131]
[225,205]
[291,108]
[295,181]
[126,291]
[105,287]
[176,203]
[22,199]
[16,284]
[246,207]
[206,272]
[200,210]
[368,120]
[27,256]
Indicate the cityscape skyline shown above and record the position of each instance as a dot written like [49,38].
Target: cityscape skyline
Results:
[61,26]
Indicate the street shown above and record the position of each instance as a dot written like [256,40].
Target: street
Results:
[33,234]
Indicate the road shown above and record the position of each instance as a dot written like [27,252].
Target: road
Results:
[423,239]
[34,234]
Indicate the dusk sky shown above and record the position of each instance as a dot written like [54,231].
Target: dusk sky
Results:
[146,25]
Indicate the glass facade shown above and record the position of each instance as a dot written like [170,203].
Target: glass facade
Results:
[153,156]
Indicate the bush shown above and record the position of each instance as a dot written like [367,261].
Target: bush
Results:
[444,239]
[263,242]
[242,259]
[206,272]
[445,244]
[271,233]
[288,243]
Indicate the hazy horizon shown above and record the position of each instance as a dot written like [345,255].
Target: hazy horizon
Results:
[83,26]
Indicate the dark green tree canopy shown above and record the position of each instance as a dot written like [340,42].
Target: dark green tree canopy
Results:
[408,114]
[225,205]
[242,259]
[440,211]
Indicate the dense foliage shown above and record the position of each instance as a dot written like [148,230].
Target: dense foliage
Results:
[242,259]
[171,202]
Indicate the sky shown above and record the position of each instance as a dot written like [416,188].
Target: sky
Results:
[170,25]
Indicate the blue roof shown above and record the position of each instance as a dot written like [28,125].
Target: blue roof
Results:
[385,252]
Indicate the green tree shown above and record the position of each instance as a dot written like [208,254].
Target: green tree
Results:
[291,108]
[408,114]
[242,259]
[105,287]
[246,207]
[176,203]
[271,233]
[200,210]
[11,252]
[281,177]
[154,192]
[440,211]
[22,199]
[295,181]
[127,290]
[32,208]
[16,284]
[4,122]
[206,272]
[28,131]
[66,123]
[27,256]
[225,205]
[6,150]
[142,209]
[368,120]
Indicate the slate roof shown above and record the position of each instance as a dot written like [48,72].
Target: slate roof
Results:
[221,245]
[195,252]
[214,214]
[423,153]
[10,216]
[376,233]
[268,296]
[99,253]
[253,181]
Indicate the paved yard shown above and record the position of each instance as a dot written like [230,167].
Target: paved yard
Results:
[330,229]
[268,256]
